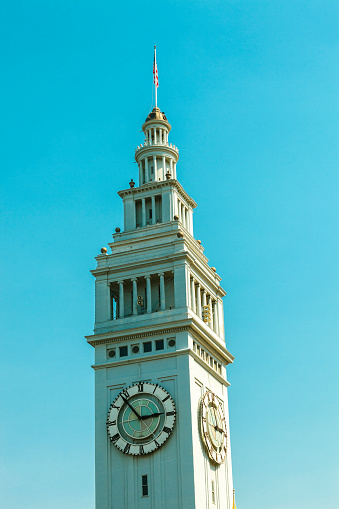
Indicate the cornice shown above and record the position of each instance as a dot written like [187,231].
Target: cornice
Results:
[188,324]
[150,186]
[140,264]
[116,337]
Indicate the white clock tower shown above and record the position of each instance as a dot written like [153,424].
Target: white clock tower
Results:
[161,410]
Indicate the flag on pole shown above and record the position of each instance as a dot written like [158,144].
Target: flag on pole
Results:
[155,70]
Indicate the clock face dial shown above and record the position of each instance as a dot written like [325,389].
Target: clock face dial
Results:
[213,427]
[141,418]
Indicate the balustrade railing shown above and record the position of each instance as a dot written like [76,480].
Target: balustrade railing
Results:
[157,144]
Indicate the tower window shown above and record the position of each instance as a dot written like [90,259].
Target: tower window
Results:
[171,342]
[213,492]
[159,344]
[123,351]
[111,353]
[148,346]
[144,485]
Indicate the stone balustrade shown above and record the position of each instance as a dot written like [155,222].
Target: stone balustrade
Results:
[157,144]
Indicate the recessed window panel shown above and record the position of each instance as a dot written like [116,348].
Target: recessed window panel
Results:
[159,344]
[148,346]
[123,351]
[144,485]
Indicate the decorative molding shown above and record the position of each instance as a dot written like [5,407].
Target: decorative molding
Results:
[137,335]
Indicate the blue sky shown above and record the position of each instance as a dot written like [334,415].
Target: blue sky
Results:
[250,88]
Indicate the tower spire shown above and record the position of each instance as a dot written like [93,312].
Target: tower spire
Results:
[155,75]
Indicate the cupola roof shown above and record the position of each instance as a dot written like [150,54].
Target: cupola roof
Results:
[156,116]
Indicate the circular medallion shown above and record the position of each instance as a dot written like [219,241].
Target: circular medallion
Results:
[141,418]
[213,427]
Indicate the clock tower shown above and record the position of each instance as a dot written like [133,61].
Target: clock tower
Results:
[162,436]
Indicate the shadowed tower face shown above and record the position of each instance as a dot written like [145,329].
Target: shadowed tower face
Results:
[161,411]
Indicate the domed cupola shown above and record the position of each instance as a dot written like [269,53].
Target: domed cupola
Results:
[156,114]
[156,157]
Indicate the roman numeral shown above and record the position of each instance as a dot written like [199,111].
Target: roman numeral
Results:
[165,399]
[140,387]
[155,388]
[125,393]
[115,438]
[169,413]
[157,445]
[141,450]
[167,430]
[117,407]
[111,423]
[127,448]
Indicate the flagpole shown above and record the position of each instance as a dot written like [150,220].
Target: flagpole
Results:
[155,84]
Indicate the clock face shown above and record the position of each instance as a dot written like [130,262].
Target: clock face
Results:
[213,427]
[141,418]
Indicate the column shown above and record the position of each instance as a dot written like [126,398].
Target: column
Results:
[143,220]
[140,174]
[160,135]
[203,297]
[216,318]
[180,286]
[155,167]
[162,291]
[175,171]
[179,210]
[109,302]
[153,209]
[155,135]
[164,167]
[147,176]
[135,296]
[198,300]
[220,319]
[193,296]
[191,222]
[148,294]
[210,304]
[171,168]
[121,299]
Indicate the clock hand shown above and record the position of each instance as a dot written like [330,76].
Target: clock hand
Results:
[151,415]
[133,409]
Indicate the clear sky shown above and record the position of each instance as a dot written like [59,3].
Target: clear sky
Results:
[251,90]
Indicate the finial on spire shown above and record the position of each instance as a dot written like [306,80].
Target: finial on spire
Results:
[155,75]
